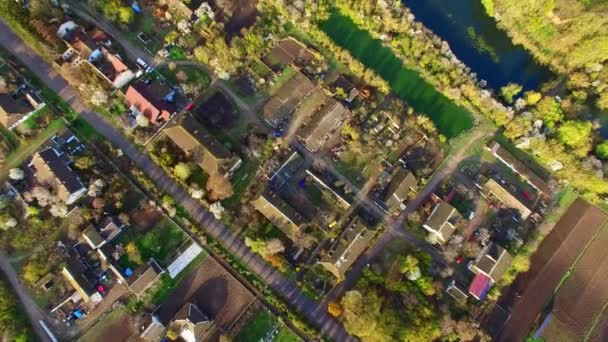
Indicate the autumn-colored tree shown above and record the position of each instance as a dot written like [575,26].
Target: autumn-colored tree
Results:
[219,187]
[334,308]
[133,253]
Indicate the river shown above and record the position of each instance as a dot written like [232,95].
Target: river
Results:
[475,39]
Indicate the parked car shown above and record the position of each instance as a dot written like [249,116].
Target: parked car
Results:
[102,290]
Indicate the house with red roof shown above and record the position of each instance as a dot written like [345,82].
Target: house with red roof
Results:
[94,48]
[154,99]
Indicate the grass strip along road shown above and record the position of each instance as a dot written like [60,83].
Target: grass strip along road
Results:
[286,288]
[449,118]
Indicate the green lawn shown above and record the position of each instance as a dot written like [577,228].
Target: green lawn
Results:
[84,129]
[17,157]
[10,137]
[177,53]
[449,118]
[261,69]
[258,327]
[286,335]
[159,243]
[194,75]
[240,182]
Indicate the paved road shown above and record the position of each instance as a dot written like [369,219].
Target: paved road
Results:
[397,228]
[285,287]
[31,308]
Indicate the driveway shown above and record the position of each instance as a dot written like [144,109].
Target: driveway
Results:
[286,288]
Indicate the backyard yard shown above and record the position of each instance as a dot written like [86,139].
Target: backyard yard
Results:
[141,247]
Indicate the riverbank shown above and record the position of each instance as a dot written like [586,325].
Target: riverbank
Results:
[449,118]
[473,36]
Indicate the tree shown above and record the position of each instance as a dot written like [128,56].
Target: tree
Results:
[182,171]
[7,221]
[576,135]
[42,9]
[173,332]
[361,314]
[219,187]
[408,265]
[181,76]
[85,162]
[133,253]
[274,246]
[59,210]
[519,126]
[334,309]
[350,132]
[142,120]
[42,196]
[216,209]
[253,44]
[532,97]
[3,86]
[602,101]
[99,97]
[257,246]
[96,188]
[602,150]
[509,91]
[549,111]
[171,37]
[125,15]
[16,174]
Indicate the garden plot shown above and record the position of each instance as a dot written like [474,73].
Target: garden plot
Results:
[214,291]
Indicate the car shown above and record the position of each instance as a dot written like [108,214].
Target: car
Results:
[102,290]
[142,64]
[471,214]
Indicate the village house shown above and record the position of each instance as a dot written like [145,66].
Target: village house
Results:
[52,169]
[102,254]
[457,291]
[93,48]
[75,274]
[279,212]
[288,51]
[277,111]
[18,105]
[494,191]
[205,150]
[402,184]
[442,222]
[154,99]
[325,122]
[190,323]
[519,168]
[350,90]
[353,241]
[489,266]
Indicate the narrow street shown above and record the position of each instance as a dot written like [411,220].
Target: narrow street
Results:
[397,229]
[284,287]
[28,304]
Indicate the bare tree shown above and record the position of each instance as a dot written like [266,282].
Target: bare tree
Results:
[42,196]
[219,187]
[142,120]
[3,85]
[59,210]
[16,174]
[274,246]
